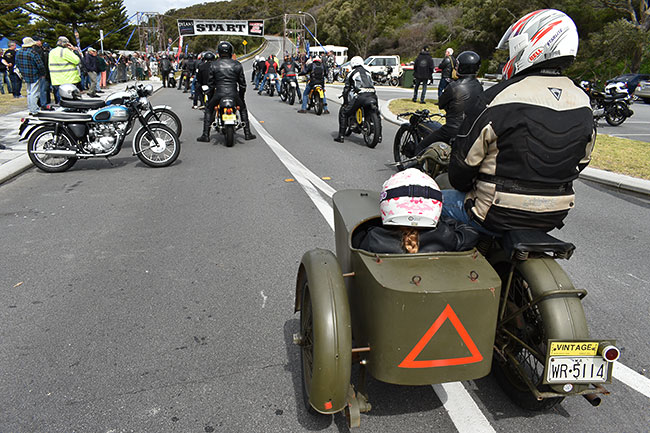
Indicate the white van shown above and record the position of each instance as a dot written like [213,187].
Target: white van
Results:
[379,63]
[340,53]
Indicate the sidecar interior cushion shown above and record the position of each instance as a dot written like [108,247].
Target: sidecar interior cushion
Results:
[535,241]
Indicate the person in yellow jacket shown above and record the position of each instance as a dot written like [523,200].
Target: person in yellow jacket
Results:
[63,62]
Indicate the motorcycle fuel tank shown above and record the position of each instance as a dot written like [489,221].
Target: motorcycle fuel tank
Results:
[113,113]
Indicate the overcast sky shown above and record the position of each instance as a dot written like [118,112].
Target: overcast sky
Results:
[133,6]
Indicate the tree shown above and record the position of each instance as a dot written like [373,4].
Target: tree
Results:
[112,16]
[63,16]
[12,19]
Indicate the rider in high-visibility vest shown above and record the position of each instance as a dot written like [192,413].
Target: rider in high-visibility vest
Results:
[63,63]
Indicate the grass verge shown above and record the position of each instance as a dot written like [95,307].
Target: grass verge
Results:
[8,104]
[618,155]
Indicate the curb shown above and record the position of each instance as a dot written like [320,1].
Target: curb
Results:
[604,177]
[16,166]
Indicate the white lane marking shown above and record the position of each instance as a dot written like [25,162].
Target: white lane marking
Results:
[632,379]
[301,173]
[463,411]
[628,135]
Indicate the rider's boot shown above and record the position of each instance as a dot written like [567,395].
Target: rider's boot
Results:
[207,123]
[248,135]
[339,138]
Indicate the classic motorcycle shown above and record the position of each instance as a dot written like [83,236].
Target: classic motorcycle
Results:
[289,90]
[316,97]
[409,135]
[159,113]
[269,85]
[227,119]
[505,307]
[613,105]
[365,121]
[58,138]
[385,77]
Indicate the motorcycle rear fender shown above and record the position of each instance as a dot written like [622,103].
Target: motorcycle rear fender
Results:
[227,103]
[321,92]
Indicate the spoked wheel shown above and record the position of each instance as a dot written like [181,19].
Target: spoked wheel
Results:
[166,117]
[616,114]
[44,139]
[404,145]
[371,130]
[394,81]
[229,133]
[530,329]
[158,149]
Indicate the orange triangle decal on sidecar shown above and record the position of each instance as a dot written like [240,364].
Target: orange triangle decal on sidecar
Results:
[447,314]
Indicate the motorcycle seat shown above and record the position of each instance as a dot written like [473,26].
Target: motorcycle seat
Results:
[59,116]
[83,104]
[520,243]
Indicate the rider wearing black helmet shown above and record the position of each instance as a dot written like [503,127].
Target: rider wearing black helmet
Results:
[227,78]
[202,77]
[456,98]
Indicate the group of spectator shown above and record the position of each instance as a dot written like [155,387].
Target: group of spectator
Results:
[423,69]
[43,69]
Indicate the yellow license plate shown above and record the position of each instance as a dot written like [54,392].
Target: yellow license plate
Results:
[229,117]
[573,348]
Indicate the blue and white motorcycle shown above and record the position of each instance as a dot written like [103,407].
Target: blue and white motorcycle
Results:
[92,129]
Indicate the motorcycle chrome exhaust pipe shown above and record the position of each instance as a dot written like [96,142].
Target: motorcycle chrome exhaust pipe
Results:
[593,399]
[65,153]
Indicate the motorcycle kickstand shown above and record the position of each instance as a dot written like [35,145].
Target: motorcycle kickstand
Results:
[110,163]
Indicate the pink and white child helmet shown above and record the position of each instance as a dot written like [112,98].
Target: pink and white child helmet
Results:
[410,198]
[540,37]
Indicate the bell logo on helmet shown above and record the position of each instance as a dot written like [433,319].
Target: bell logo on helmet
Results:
[536,54]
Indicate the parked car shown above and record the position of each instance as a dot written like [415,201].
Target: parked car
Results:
[631,80]
[643,91]
[378,64]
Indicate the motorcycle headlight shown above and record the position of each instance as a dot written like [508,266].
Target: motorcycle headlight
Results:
[143,102]
[148,90]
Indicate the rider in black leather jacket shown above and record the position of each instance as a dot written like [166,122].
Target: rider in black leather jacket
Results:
[358,91]
[456,99]
[227,79]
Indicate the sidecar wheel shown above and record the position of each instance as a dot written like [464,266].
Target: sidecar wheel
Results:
[325,333]
[530,328]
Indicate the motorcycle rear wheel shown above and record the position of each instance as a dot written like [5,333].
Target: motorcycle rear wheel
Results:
[405,139]
[292,96]
[283,94]
[229,134]
[166,117]
[271,89]
[160,150]
[530,328]
[317,103]
[43,139]
[616,114]
[371,130]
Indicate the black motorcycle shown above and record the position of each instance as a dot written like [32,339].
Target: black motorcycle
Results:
[409,135]
[365,121]
[289,90]
[385,77]
[58,138]
[613,106]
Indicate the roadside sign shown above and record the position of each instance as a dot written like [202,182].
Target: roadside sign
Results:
[244,42]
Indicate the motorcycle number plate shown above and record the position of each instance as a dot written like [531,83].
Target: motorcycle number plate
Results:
[292,83]
[227,117]
[577,369]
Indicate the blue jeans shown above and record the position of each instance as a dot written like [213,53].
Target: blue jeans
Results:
[453,206]
[441,86]
[32,97]
[305,97]
[44,91]
[4,79]
[277,83]
[16,84]
[416,84]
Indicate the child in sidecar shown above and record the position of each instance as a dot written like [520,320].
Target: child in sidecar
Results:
[411,203]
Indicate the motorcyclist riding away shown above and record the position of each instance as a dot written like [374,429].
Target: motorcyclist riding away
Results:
[227,79]
[358,91]
[289,71]
[316,71]
[270,68]
[518,152]
[458,96]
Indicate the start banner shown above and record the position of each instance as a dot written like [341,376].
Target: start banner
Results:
[221,27]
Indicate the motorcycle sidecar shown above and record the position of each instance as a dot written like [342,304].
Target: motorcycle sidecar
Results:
[409,319]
